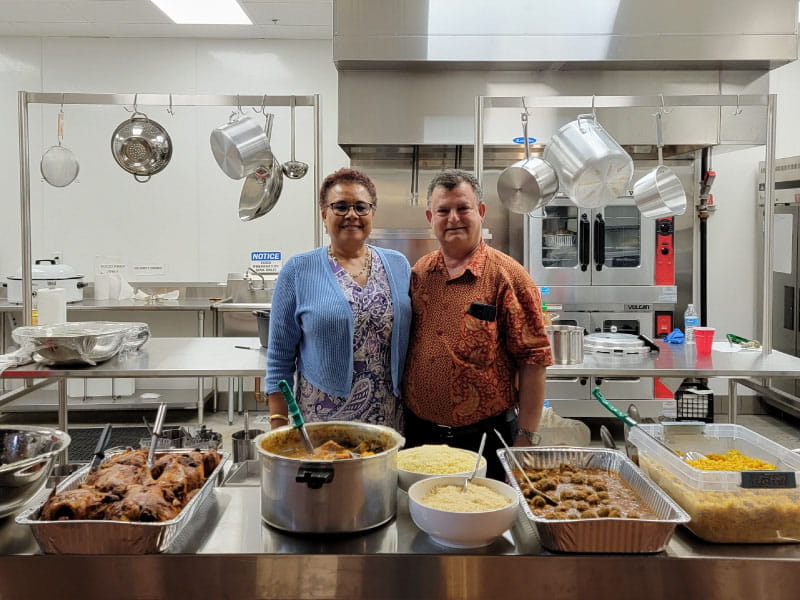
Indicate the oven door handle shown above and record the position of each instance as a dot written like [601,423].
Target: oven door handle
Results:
[583,233]
[599,242]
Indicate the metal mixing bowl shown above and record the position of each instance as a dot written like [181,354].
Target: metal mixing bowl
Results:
[87,342]
[26,457]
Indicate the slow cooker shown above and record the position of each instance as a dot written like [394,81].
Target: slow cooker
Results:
[46,273]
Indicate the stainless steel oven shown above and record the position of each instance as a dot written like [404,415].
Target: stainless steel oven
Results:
[569,245]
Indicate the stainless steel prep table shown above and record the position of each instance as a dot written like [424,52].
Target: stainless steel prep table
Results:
[232,554]
[198,305]
[161,357]
[680,360]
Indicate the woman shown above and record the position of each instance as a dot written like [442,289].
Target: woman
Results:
[341,316]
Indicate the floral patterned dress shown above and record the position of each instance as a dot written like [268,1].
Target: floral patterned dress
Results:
[371,398]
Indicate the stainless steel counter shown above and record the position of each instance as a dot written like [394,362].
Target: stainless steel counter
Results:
[230,553]
[162,357]
[194,304]
[682,361]
[168,357]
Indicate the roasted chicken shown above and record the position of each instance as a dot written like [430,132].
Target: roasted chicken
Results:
[124,489]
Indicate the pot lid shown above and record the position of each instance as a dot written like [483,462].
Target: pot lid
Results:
[49,271]
[614,343]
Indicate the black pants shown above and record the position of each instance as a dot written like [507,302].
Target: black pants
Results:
[419,431]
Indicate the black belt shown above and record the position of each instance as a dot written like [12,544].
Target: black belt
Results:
[446,431]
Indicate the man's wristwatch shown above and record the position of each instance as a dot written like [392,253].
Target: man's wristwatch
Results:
[534,437]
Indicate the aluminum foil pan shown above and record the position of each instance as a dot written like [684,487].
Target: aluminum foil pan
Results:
[113,537]
[602,534]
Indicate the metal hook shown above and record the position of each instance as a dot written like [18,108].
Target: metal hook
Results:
[61,110]
[525,106]
[239,105]
[170,110]
[663,107]
[739,109]
[594,110]
[135,104]
[263,109]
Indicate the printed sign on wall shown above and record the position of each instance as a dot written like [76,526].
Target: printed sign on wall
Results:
[266,262]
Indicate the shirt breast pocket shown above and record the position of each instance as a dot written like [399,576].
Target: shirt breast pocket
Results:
[478,342]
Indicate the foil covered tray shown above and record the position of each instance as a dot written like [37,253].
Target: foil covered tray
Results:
[113,537]
[599,534]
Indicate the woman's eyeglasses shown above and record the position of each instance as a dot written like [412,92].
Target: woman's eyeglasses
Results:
[341,209]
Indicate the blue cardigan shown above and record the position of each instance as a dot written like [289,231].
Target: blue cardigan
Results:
[311,324]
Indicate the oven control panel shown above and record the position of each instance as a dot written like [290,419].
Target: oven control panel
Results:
[665,251]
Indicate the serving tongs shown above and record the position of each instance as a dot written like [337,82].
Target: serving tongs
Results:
[100,448]
[548,499]
[157,426]
[628,420]
[295,414]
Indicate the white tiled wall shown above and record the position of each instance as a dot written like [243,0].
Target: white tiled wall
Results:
[186,217]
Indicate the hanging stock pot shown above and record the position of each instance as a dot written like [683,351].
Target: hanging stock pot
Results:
[46,273]
[304,495]
[529,183]
[592,167]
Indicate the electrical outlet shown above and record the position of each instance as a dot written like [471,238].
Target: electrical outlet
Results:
[57,256]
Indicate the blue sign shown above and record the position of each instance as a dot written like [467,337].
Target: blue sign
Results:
[521,140]
[545,290]
[255,256]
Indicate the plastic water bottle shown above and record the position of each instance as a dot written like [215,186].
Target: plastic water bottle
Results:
[690,321]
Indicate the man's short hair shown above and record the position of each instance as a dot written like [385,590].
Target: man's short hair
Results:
[450,178]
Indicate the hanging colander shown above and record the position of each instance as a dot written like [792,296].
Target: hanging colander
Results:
[141,146]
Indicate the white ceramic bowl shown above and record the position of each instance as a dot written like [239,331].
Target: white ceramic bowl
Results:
[405,479]
[461,529]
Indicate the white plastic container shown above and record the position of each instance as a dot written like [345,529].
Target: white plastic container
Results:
[722,510]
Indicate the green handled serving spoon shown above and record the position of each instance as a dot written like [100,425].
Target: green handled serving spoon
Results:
[687,456]
[295,415]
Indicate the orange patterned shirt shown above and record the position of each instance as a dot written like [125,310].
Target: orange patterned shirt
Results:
[460,369]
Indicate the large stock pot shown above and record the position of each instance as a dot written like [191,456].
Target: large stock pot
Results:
[304,495]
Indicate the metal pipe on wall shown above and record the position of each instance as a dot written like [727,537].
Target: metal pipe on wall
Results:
[317,172]
[25,210]
[769,211]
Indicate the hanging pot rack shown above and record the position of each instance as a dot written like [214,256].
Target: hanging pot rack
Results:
[665,104]
[24,99]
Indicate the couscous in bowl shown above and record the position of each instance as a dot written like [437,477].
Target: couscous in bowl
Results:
[423,462]
[459,528]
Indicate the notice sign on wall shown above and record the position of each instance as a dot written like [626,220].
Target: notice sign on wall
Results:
[266,262]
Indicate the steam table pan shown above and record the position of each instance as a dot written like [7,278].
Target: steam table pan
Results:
[113,537]
[601,534]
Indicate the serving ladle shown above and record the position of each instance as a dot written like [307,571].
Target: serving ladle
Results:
[548,499]
[477,463]
[294,169]
[295,414]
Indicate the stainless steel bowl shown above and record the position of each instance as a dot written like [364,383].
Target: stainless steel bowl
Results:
[136,337]
[87,342]
[26,457]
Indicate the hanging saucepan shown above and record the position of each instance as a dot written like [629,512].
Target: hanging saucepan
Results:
[59,166]
[660,192]
[527,184]
[141,146]
[261,191]
[592,167]
[241,146]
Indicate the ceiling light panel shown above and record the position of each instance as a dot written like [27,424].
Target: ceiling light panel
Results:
[204,12]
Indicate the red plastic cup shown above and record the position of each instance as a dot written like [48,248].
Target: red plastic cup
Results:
[703,338]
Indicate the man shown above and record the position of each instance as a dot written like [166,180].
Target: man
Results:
[478,347]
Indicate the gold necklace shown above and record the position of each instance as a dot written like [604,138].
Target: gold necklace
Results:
[364,269]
